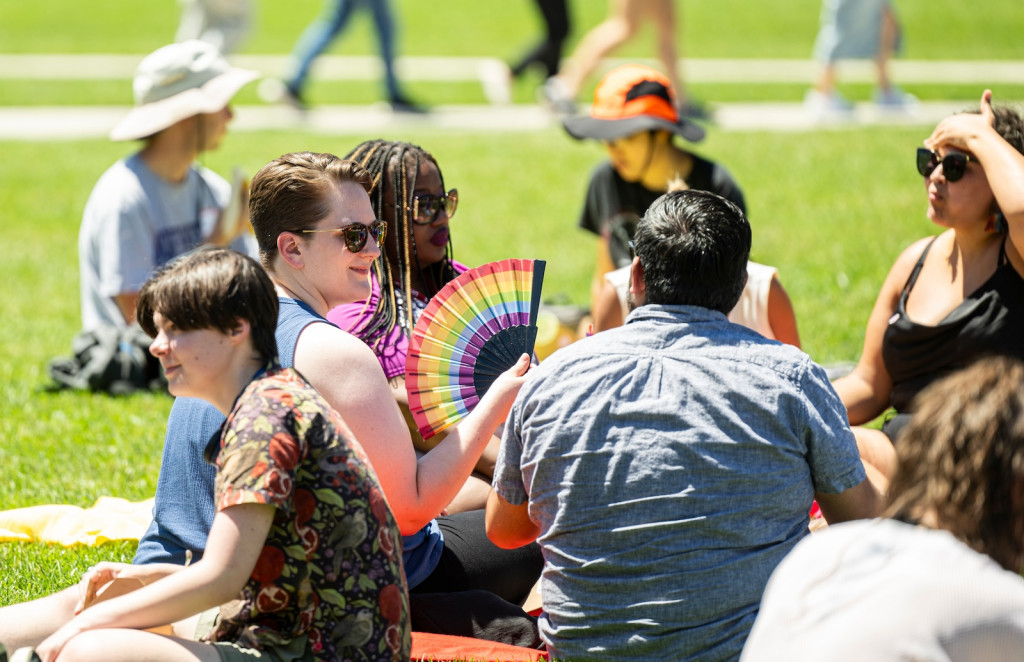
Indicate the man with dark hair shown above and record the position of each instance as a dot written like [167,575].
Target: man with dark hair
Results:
[696,247]
[668,465]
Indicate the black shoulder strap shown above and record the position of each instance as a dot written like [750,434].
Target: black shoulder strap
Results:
[909,285]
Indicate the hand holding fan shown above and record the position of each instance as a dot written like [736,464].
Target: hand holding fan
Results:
[474,329]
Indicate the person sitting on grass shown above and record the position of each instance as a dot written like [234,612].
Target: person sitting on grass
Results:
[666,466]
[303,560]
[158,203]
[318,238]
[952,298]
[635,116]
[764,304]
[415,263]
[940,578]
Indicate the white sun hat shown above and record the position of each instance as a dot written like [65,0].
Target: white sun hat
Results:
[176,82]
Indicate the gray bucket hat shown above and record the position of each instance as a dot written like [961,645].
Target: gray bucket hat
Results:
[176,82]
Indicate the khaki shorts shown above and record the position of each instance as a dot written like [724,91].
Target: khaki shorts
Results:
[296,651]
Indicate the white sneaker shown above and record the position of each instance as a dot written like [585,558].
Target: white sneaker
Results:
[895,100]
[496,79]
[273,90]
[556,96]
[831,107]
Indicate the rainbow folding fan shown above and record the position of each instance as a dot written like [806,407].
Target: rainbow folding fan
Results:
[474,329]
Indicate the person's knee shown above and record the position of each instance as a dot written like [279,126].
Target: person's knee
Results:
[876,449]
[27,624]
[622,30]
[89,646]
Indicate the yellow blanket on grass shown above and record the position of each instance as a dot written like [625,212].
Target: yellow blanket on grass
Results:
[110,518]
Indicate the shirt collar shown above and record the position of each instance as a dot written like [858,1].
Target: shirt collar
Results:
[675,313]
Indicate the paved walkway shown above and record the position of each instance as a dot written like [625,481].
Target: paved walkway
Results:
[338,67]
[76,122]
[71,122]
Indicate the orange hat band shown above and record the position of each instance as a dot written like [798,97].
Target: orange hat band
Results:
[647,97]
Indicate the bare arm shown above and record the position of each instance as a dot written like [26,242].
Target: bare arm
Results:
[509,526]
[126,303]
[860,502]
[781,316]
[484,465]
[348,375]
[865,392]
[231,555]
[607,309]
[234,218]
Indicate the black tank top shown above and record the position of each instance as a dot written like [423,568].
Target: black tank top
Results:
[989,321]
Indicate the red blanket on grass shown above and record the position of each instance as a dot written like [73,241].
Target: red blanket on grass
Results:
[448,648]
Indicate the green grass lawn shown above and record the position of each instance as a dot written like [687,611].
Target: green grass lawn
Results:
[934,29]
[830,209]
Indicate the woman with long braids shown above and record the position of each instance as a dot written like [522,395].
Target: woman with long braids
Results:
[471,581]
[409,193]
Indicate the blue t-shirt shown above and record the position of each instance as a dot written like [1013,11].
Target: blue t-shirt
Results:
[184,509]
[671,464]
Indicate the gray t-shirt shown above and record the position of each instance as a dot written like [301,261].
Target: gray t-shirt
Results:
[134,222]
[888,591]
[670,463]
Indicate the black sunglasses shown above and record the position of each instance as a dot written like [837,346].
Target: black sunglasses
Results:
[954,164]
[426,207]
[355,235]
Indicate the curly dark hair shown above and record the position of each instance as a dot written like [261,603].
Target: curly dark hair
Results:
[1010,125]
[961,459]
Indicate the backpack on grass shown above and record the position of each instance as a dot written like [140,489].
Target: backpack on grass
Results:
[108,359]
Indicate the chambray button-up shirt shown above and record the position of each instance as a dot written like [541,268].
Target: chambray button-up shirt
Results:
[671,463]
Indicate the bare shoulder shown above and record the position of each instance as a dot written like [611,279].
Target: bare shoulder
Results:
[324,348]
[904,264]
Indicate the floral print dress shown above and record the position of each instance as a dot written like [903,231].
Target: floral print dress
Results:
[331,566]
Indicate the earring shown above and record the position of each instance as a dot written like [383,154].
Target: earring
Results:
[1001,225]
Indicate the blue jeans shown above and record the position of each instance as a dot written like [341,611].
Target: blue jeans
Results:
[319,35]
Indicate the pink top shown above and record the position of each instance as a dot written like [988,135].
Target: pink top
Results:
[393,347]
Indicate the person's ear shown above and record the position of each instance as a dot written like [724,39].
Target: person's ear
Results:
[637,284]
[240,331]
[290,247]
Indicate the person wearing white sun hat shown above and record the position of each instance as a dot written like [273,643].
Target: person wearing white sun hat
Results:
[156,204]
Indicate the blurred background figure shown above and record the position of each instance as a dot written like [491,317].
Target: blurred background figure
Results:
[621,24]
[159,203]
[224,24]
[548,51]
[545,54]
[940,580]
[319,36]
[855,29]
